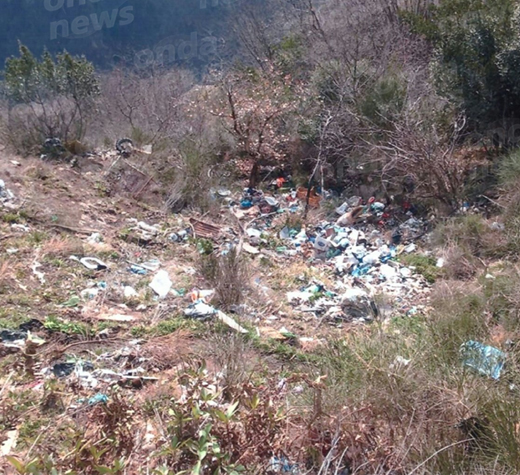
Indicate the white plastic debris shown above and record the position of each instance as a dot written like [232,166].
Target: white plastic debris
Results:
[496,226]
[354,294]
[321,244]
[410,248]
[284,233]
[341,210]
[20,227]
[399,363]
[201,309]
[388,272]
[151,265]
[92,263]
[161,284]
[372,257]
[250,249]
[230,322]
[147,149]
[129,292]
[6,196]
[252,232]
[354,201]
[146,227]
[41,276]
[95,238]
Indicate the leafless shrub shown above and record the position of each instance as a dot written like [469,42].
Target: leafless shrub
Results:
[234,359]
[427,157]
[145,107]
[27,126]
[228,275]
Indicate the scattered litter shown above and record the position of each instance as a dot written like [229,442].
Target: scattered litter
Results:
[356,303]
[202,310]
[250,249]
[6,196]
[321,244]
[116,318]
[39,275]
[92,292]
[202,295]
[205,230]
[148,228]
[95,238]
[9,444]
[147,149]
[91,263]
[410,248]
[129,292]
[253,233]
[161,284]
[399,363]
[20,227]
[16,337]
[62,370]
[179,236]
[230,322]
[487,360]
[135,269]
[151,265]
[99,398]
[314,198]
[282,465]
[496,226]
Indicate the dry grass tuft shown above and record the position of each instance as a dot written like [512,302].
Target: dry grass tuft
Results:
[229,275]
[59,247]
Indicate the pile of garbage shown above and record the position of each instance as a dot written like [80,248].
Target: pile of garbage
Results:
[362,248]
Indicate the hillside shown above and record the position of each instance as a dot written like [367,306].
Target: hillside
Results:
[295,251]
[355,357]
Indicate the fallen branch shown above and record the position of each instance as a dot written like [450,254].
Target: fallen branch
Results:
[86,342]
[422,464]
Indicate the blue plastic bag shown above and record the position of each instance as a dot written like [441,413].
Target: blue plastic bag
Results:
[487,360]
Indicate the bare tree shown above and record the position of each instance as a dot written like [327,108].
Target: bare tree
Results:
[148,104]
[253,109]
[425,157]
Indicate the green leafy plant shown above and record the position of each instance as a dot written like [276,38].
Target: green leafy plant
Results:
[55,324]
[58,91]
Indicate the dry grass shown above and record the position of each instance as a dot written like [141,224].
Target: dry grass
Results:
[7,274]
[61,247]
[459,263]
[170,350]
[229,275]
